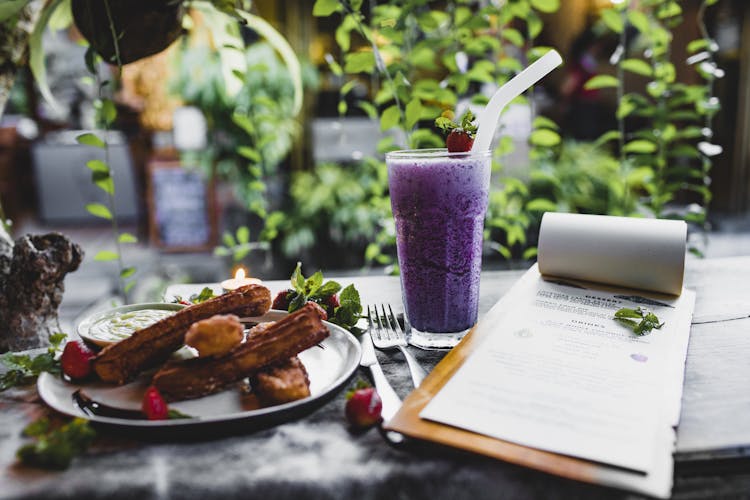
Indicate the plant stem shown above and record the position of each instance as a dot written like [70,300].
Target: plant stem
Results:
[379,63]
[115,227]
[115,41]
[620,96]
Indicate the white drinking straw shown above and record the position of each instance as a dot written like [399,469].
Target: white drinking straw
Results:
[516,86]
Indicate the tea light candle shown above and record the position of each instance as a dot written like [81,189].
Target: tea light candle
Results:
[239,280]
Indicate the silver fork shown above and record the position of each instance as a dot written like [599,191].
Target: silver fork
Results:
[387,334]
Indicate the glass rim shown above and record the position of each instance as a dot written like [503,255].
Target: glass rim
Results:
[434,153]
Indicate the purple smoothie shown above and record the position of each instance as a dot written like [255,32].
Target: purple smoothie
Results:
[439,201]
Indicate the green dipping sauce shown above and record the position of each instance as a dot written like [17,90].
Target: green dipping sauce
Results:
[117,326]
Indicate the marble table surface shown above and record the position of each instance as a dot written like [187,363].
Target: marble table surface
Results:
[318,457]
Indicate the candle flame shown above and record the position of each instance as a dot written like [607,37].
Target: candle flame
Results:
[239,274]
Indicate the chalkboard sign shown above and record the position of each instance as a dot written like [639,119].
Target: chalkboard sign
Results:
[181,212]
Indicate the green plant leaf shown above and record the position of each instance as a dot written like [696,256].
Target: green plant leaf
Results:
[544,138]
[104,181]
[389,118]
[359,62]
[601,82]
[287,53]
[544,122]
[541,205]
[62,18]
[99,210]
[624,109]
[89,139]
[639,20]
[641,146]
[249,153]
[513,36]
[613,20]
[127,272]
[323,8]
[546,6]
[10,8]
[243,234]
[36,53]
[529,253]
[612,135]
[637,66]
[106,256]
[107,111]
[368,108]
[127,238]
[97,166]
[413,112]
[297,279]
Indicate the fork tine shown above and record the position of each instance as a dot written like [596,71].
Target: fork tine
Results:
[389,328]
[396,325]
[379,331]
[369,318]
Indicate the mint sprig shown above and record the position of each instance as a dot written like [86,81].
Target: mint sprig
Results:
[55,448]
[25,368]
[315,289]
[640,320]
[445,123]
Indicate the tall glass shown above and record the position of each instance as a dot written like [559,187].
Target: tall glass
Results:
[439,200]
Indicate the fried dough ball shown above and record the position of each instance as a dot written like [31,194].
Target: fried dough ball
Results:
[281,383]
[216,335]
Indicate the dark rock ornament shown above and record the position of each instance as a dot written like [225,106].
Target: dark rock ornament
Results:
[32,271]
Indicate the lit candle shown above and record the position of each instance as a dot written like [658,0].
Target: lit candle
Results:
[238,281]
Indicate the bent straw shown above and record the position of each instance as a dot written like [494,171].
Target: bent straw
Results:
[516,86]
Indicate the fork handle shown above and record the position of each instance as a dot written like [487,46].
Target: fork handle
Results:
[417,372]
[388,397]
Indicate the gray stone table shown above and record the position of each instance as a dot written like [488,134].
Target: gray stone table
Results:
[317,457]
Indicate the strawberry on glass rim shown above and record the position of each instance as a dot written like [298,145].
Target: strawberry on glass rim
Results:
[460,137]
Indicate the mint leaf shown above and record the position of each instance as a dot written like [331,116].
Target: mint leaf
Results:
[298,280]
[313,283]
[173,414]
[297,302]
[25,368]
[329,288]
[55,448]
[628,313]
[348,313]
[629,318]
[204,295]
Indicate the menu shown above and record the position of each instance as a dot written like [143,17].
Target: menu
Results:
[556,372]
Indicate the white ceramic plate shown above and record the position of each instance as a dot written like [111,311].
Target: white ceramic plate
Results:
[329,368]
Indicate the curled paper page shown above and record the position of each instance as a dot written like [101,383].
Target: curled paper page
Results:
[648,254]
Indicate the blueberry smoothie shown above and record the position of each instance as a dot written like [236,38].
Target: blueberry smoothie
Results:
[439,201]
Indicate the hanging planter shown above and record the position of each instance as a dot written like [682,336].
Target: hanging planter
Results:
[123,31]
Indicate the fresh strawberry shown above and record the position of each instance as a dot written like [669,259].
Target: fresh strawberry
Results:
[283,299]
[76,360]
[460,136]
[459,141]
[363,408]
[153,405]
[321,312]
[331,303]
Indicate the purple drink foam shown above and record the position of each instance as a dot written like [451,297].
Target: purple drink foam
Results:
[439,204]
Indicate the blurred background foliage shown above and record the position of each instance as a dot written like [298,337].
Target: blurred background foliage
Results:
[401,64]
